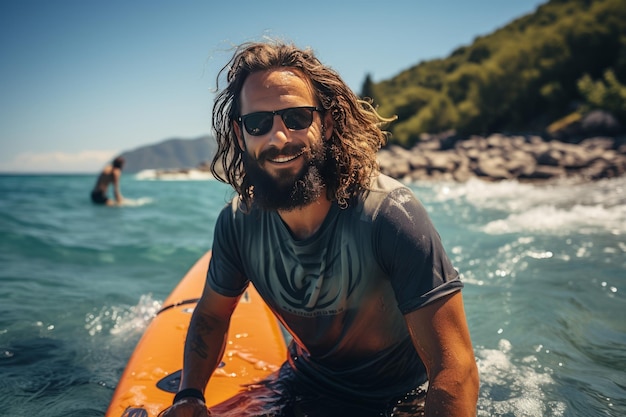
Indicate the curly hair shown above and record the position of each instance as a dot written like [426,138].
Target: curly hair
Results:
[357,134]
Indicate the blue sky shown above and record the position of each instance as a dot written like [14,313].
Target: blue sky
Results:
[84,80]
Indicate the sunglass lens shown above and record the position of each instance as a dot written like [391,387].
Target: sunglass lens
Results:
[298,119]
[259,123]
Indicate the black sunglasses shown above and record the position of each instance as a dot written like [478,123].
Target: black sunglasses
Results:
[294,118]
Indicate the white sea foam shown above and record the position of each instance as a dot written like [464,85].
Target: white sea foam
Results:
[187,175]
[555,208]
[137,202]
[512,388]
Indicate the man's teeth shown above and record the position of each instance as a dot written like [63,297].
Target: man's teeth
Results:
[283,159]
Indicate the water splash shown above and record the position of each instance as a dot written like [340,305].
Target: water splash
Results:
[511,388]
[123,321]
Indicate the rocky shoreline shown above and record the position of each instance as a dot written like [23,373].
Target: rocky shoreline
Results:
[500,157]
[582,148]
[497,157]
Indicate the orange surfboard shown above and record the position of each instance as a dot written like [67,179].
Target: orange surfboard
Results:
[256,348]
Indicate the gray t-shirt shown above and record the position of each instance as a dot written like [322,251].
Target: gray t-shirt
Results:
[342,292]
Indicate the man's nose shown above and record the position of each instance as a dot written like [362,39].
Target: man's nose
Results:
[279,133]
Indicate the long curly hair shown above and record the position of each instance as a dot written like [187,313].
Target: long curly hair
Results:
[357,133]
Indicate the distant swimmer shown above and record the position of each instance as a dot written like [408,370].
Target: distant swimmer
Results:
[111,174]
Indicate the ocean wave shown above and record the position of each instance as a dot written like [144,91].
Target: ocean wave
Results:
[554,220]
[559,208]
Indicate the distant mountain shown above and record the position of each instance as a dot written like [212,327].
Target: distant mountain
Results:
[170,154]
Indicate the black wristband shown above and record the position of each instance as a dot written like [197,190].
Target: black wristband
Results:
[189,393]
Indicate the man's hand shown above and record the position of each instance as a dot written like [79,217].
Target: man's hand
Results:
[187,407]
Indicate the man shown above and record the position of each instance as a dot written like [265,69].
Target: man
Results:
[111,174]
[345,257]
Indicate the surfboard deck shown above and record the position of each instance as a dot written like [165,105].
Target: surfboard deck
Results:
[256,348]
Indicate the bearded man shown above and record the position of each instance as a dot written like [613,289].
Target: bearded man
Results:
[346,257]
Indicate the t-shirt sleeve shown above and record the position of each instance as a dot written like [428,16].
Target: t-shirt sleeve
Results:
[225,274]
[410,250]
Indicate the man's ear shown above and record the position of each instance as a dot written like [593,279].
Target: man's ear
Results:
[239,134]
[327,126]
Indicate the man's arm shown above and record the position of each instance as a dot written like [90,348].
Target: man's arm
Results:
[441,337]
[117,173]
[206,338]
[204,347]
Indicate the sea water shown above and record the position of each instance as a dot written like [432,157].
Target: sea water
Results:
[544,268]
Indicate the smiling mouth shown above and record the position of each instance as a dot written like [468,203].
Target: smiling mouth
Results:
[283,159]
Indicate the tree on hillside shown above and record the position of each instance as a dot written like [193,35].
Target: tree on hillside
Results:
[367,89]
[519,78]
[606,94]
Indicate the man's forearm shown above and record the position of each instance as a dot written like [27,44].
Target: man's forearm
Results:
[452,396]
[118,194]
[204,347]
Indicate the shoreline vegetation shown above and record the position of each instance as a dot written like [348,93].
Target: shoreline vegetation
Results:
[556,75]
[542,70]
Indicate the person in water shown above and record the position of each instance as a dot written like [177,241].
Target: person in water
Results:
[346,258]
[110,175]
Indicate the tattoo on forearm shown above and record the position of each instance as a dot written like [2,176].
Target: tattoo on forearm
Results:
[201,329]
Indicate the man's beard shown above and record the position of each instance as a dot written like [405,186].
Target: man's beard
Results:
[289,191]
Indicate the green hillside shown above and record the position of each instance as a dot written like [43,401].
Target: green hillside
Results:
[568,56]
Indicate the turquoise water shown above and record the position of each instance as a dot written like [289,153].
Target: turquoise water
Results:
[544,267]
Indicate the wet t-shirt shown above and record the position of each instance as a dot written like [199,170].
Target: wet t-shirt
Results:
[342,292]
